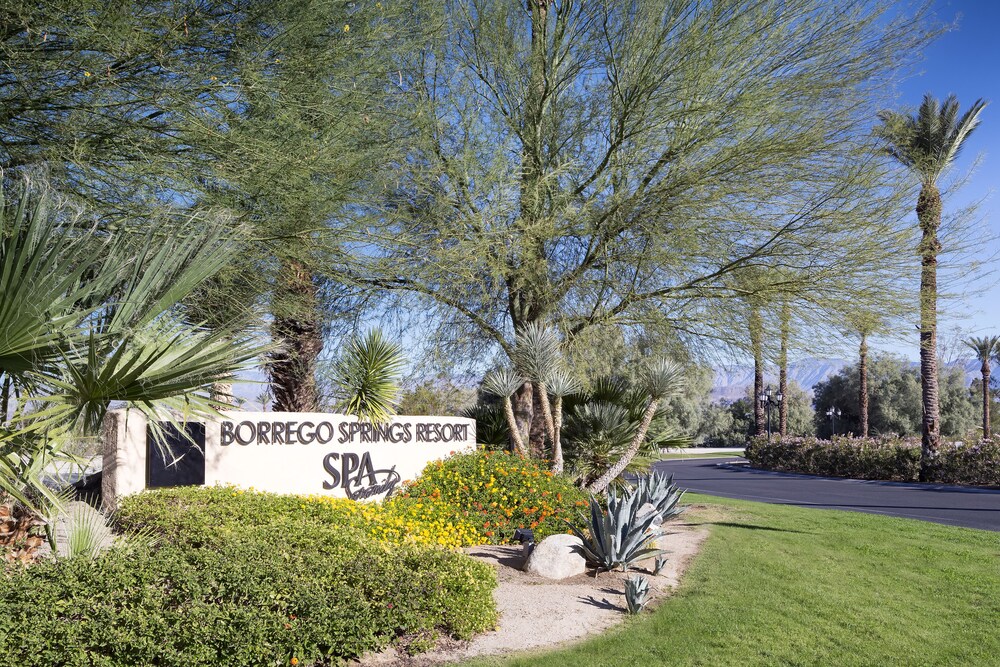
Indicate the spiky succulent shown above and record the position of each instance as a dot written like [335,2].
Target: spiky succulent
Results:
[620,536]
[636,593]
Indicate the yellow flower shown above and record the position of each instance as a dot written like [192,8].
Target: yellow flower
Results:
[347,27]
[86,73]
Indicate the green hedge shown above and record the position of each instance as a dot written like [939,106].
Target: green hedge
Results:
[259,583]
[883,458]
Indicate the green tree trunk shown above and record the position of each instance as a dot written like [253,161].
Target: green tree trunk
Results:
[929,217]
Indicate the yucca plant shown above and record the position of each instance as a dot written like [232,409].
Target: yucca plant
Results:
[503,382]
[368,375]
[559,385]
[620,536]
[636,593]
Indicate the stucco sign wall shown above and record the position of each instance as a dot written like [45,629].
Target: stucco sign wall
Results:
[283,452]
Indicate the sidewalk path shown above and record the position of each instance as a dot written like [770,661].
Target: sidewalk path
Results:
[953,505]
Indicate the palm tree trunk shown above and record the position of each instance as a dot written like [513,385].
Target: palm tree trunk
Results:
[557,453]
[986,399]
[929,216]
[524,412]
[863,387]
[297,328]
[757,346]
[618,468]
[783,370]
[543,397]
[515,432]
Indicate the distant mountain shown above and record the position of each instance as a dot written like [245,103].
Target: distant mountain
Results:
[731,383]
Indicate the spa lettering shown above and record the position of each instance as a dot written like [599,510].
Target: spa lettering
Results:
[357,476]
[324,432]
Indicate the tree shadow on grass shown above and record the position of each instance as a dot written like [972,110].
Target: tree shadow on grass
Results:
[748,526]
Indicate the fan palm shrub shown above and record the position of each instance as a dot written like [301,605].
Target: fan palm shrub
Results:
[602,423]
[89,318]
[927,144]
[986,348]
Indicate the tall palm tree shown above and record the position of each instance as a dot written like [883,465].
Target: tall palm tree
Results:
[864,323]
[756,326]
[985,348]
[927,144]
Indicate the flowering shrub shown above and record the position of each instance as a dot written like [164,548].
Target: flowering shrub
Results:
[497,493]
[882,458]
[196,515]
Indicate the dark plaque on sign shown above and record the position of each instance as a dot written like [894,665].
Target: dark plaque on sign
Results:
[178,460]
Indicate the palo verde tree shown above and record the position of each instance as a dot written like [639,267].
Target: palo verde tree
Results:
[926,144]
[610,163]
[295,134]
[272,110]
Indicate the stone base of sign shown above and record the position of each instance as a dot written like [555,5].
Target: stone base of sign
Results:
[124,469]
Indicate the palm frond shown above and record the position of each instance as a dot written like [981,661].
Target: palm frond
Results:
[502,382]
[537,351]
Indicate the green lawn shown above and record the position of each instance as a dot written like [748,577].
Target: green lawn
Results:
[781,585]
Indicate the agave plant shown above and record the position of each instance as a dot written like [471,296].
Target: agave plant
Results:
[658,492]
[636,593]
[620,536]
[368,374]
[658,565]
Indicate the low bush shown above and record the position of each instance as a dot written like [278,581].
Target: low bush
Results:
[499,492]
[195,515]
[246,578]
[883,458]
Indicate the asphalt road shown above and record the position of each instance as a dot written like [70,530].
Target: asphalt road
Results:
[953,505]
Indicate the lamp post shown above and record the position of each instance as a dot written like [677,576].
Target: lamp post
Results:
[768,399]
[833,413]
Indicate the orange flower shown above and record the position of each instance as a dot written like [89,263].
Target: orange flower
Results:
[294,661]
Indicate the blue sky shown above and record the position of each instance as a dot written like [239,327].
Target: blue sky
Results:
[966,62]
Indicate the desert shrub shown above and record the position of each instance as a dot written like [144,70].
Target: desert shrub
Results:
[499,492]
[262,592]
[196,515]
[883,458]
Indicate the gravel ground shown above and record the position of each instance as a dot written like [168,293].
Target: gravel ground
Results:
[541,613]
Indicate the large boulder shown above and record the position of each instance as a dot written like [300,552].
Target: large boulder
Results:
[556,558]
